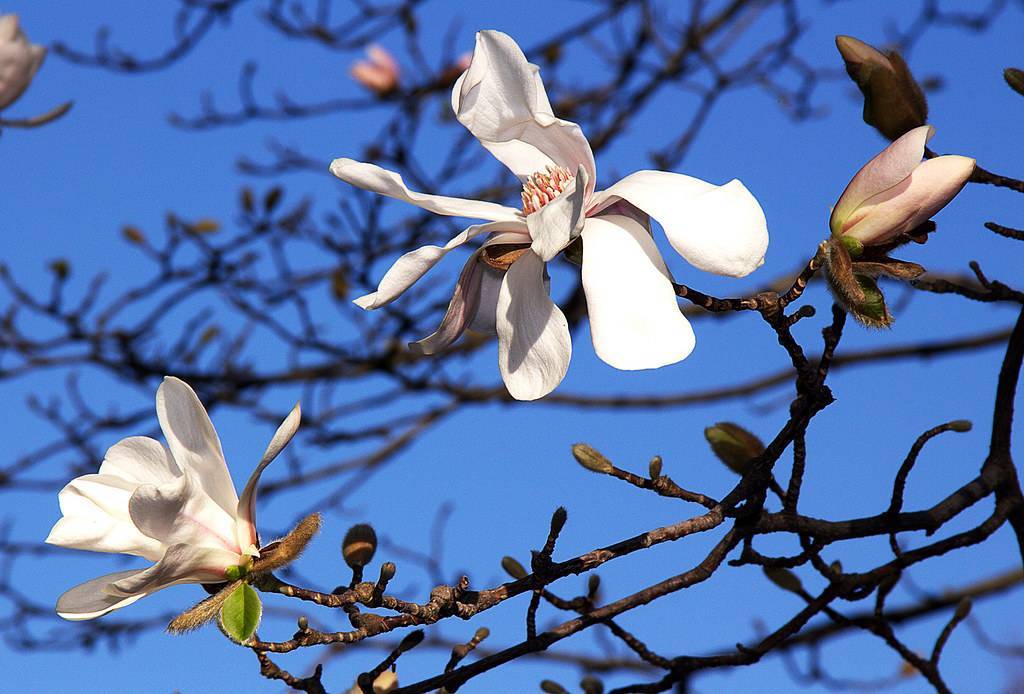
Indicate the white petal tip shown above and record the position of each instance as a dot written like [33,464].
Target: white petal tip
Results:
[367,302]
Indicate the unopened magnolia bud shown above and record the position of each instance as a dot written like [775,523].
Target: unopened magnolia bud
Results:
[481,634]
[411,640]
[963,609]
[593,585]
[654,467]
[61,268]
[591,459]
[359,545]
[836,566]
[1014,78]
[303,623]
[784,578]
[552,687]
[513,568]
[132,234]
[734,445]
[591,685]
[893,101]
[960,425]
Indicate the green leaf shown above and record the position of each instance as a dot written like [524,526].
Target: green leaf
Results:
[241,612]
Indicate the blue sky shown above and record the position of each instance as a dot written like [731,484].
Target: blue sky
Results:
[67,189]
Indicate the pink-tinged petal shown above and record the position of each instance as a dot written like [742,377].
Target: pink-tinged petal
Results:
[414,264]
[141,460]
[181,564]
[19,60]
[886,170]
[461,309]
[534,345]
[719,229]
[246,524]
[898,210]
[558,223]
[193,441]
[180,512]
[90,600]
[501,101]
[8,27]
[383,182]
[635,321]
[372,77]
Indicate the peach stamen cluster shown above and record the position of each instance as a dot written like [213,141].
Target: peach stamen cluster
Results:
[541,188]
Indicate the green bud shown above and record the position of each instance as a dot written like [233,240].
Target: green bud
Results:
[359,545]
[481,634]
[590,458]
[784,578]
[654,467]
[961,425]
[1014,78]
[513,568]
[734,445]
[872,312]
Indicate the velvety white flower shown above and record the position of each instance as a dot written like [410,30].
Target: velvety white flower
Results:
[19,60]
[379,72]
[896,192]
[635,320]
[174,505]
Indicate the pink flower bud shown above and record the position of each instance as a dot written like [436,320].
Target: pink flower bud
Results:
[19,60]
[380,73]
[896,192]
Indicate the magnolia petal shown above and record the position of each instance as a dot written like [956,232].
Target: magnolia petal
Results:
[19,60]
[193,440]
[898,210]
[501,101]
[90,599]
[534,345]
[484,319]
[635,321]
[181,564]
[414,264]
[888,168]
[719,229]
[246,515]
[461,309]
[554,226]
[180,512]
[141,460]
[383,182]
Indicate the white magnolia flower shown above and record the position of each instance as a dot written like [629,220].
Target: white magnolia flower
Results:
[634,318]
[173,505]
[19,60]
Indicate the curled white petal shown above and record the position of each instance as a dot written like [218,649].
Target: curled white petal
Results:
[246,516]
[383,182]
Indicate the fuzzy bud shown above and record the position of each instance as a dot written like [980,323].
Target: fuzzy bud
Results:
[590,458]
[893,101]
[784,578]
[359,545]
[654,467]
[734,445]
[1014,78]
[513,568]
[961,425]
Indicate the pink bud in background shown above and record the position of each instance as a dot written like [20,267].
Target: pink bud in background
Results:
[896,192]
[19,60]
[379,73]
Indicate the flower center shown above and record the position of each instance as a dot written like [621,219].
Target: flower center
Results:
[541,188]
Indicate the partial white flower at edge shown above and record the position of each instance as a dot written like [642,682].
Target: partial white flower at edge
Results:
[634,316]
[173,505]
